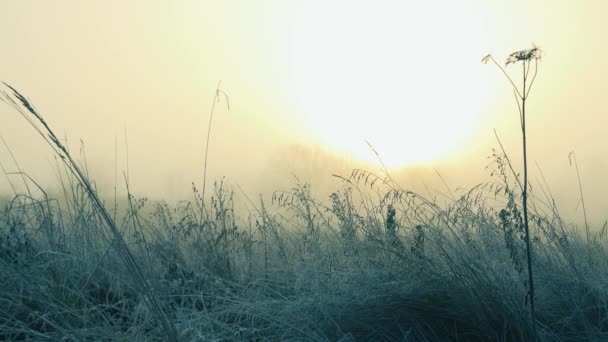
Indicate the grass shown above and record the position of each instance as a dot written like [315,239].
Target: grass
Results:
[374,261]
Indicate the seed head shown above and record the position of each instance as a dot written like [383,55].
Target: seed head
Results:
[525,55]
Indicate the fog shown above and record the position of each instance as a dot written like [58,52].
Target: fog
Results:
[130,86]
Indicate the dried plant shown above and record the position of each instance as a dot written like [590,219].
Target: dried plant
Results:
[529,58]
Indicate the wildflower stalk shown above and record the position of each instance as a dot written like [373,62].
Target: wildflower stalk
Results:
[525,199]
[526,57]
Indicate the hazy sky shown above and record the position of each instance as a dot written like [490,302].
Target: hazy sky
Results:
[303,77]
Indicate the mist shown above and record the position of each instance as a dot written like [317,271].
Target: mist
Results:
[131,88]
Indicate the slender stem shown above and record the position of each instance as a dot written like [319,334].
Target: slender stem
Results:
[506,75]
[580,188]
[533,77]
[525,207]
[216,99]
[517,98]
[207,153]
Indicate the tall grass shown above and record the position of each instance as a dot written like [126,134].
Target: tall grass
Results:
[27,110]
[374,261]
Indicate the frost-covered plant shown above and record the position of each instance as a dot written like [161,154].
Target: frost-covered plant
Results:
[529,58]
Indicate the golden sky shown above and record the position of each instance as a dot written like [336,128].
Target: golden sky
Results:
[328,75]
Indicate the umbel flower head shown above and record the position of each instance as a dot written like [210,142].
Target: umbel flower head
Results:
[525,55]
[521,55]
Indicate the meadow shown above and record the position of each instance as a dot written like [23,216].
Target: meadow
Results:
[373,261]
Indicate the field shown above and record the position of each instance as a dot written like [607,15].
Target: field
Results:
[373,261]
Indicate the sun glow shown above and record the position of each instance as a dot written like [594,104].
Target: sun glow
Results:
[406,78]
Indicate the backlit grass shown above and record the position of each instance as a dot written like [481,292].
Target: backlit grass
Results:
[373,261]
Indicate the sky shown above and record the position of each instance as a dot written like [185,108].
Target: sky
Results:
[308,83]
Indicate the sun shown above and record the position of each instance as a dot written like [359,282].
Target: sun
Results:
[403,77]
